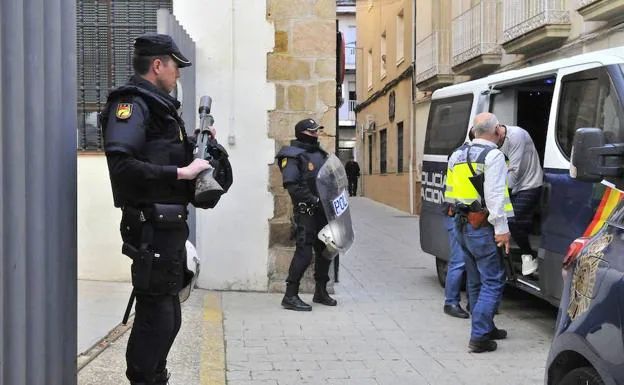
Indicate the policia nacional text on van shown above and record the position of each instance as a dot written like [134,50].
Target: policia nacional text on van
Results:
[476,190]
[550,101]
[151,165]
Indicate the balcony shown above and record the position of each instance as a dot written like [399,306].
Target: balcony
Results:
[534,26]
[475,47]
[433,56]
[601,10]
[346,114]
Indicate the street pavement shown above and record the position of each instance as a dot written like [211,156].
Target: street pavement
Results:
[388,327]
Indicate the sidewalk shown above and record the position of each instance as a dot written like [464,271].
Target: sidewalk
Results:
[100,308]
[388,327]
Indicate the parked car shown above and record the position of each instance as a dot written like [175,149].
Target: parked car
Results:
[588,346]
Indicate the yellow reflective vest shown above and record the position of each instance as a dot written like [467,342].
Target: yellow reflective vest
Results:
[459,186]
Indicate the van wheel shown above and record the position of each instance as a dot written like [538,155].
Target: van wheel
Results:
[441,269]
[582,376]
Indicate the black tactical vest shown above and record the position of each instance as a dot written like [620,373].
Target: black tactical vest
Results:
[166,143]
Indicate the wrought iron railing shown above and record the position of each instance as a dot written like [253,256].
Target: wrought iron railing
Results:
[433,55]
[475,32]
[522,16]
[352,104]
[583,3]
[350,56]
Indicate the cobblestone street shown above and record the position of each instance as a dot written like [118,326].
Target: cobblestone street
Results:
[388,327]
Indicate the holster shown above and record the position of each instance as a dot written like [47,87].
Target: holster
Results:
[142,260]
[475,214]
[157,217]
[478,219]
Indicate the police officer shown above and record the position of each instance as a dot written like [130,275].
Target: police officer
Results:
[476,186]
[299,164]
[151,166]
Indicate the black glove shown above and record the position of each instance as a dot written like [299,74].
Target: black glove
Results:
[307,208]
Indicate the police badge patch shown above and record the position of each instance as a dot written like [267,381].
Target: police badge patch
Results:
[124,111]
[584,278]
[311,166]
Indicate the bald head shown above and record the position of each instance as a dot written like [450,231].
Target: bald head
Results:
[485,124]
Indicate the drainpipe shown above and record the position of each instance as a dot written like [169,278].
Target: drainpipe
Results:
[232,133]
[412,113]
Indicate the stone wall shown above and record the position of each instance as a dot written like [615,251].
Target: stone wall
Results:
[302,67]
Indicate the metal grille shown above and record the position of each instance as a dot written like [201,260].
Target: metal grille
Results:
[105,32]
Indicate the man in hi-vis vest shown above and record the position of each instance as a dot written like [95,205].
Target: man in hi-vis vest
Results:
[477,190]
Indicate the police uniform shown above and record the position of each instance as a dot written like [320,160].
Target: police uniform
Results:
[145,143]
[476,180]
[299,164]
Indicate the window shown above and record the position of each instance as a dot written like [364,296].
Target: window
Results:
[383,143]
[369,68]
[384,54]
[352,94]
[400,147]
[104,42]
[448,124]
[589,99]
[400,38]
[370,155]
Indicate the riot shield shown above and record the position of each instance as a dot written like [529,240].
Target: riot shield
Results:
[331,183]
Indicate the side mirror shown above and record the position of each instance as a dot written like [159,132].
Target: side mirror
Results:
[584,163]
[592,159]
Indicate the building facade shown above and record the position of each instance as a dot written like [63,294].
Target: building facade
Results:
[345,13]
[266,65]
[384,119]
[461,40]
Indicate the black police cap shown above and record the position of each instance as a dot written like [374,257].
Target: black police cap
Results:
[307,125]
[153,44]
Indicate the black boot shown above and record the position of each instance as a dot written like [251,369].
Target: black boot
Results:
[162,378]
[291,300]
[322,296]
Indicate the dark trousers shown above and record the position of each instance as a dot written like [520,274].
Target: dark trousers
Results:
[307,242]
[521,224]
[156,324]
[485,272]
[353,181]
[157,316]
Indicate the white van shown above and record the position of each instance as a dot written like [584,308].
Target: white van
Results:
[550,101]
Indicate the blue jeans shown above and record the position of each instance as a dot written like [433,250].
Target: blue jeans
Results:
[456,264]
[486,276]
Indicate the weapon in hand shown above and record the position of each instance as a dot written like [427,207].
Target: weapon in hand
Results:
[206,187]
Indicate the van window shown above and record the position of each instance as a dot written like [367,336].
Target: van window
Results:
[589,99]
[448,124]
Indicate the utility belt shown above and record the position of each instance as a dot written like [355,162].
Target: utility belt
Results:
[139,225]
[306,208]
[474,213]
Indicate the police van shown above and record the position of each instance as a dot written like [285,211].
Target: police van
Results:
[551,101]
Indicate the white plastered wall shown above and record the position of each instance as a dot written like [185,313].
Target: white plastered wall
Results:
[232,239]
[99,241]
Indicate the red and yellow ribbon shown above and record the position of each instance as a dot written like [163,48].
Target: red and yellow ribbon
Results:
[610,199]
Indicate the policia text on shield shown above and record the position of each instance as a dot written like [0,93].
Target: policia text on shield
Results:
[152,172]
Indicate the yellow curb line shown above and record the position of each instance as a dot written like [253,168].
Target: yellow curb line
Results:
[212,366]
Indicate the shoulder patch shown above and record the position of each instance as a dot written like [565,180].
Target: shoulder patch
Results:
[124,111]
[310,166]
[284,162]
